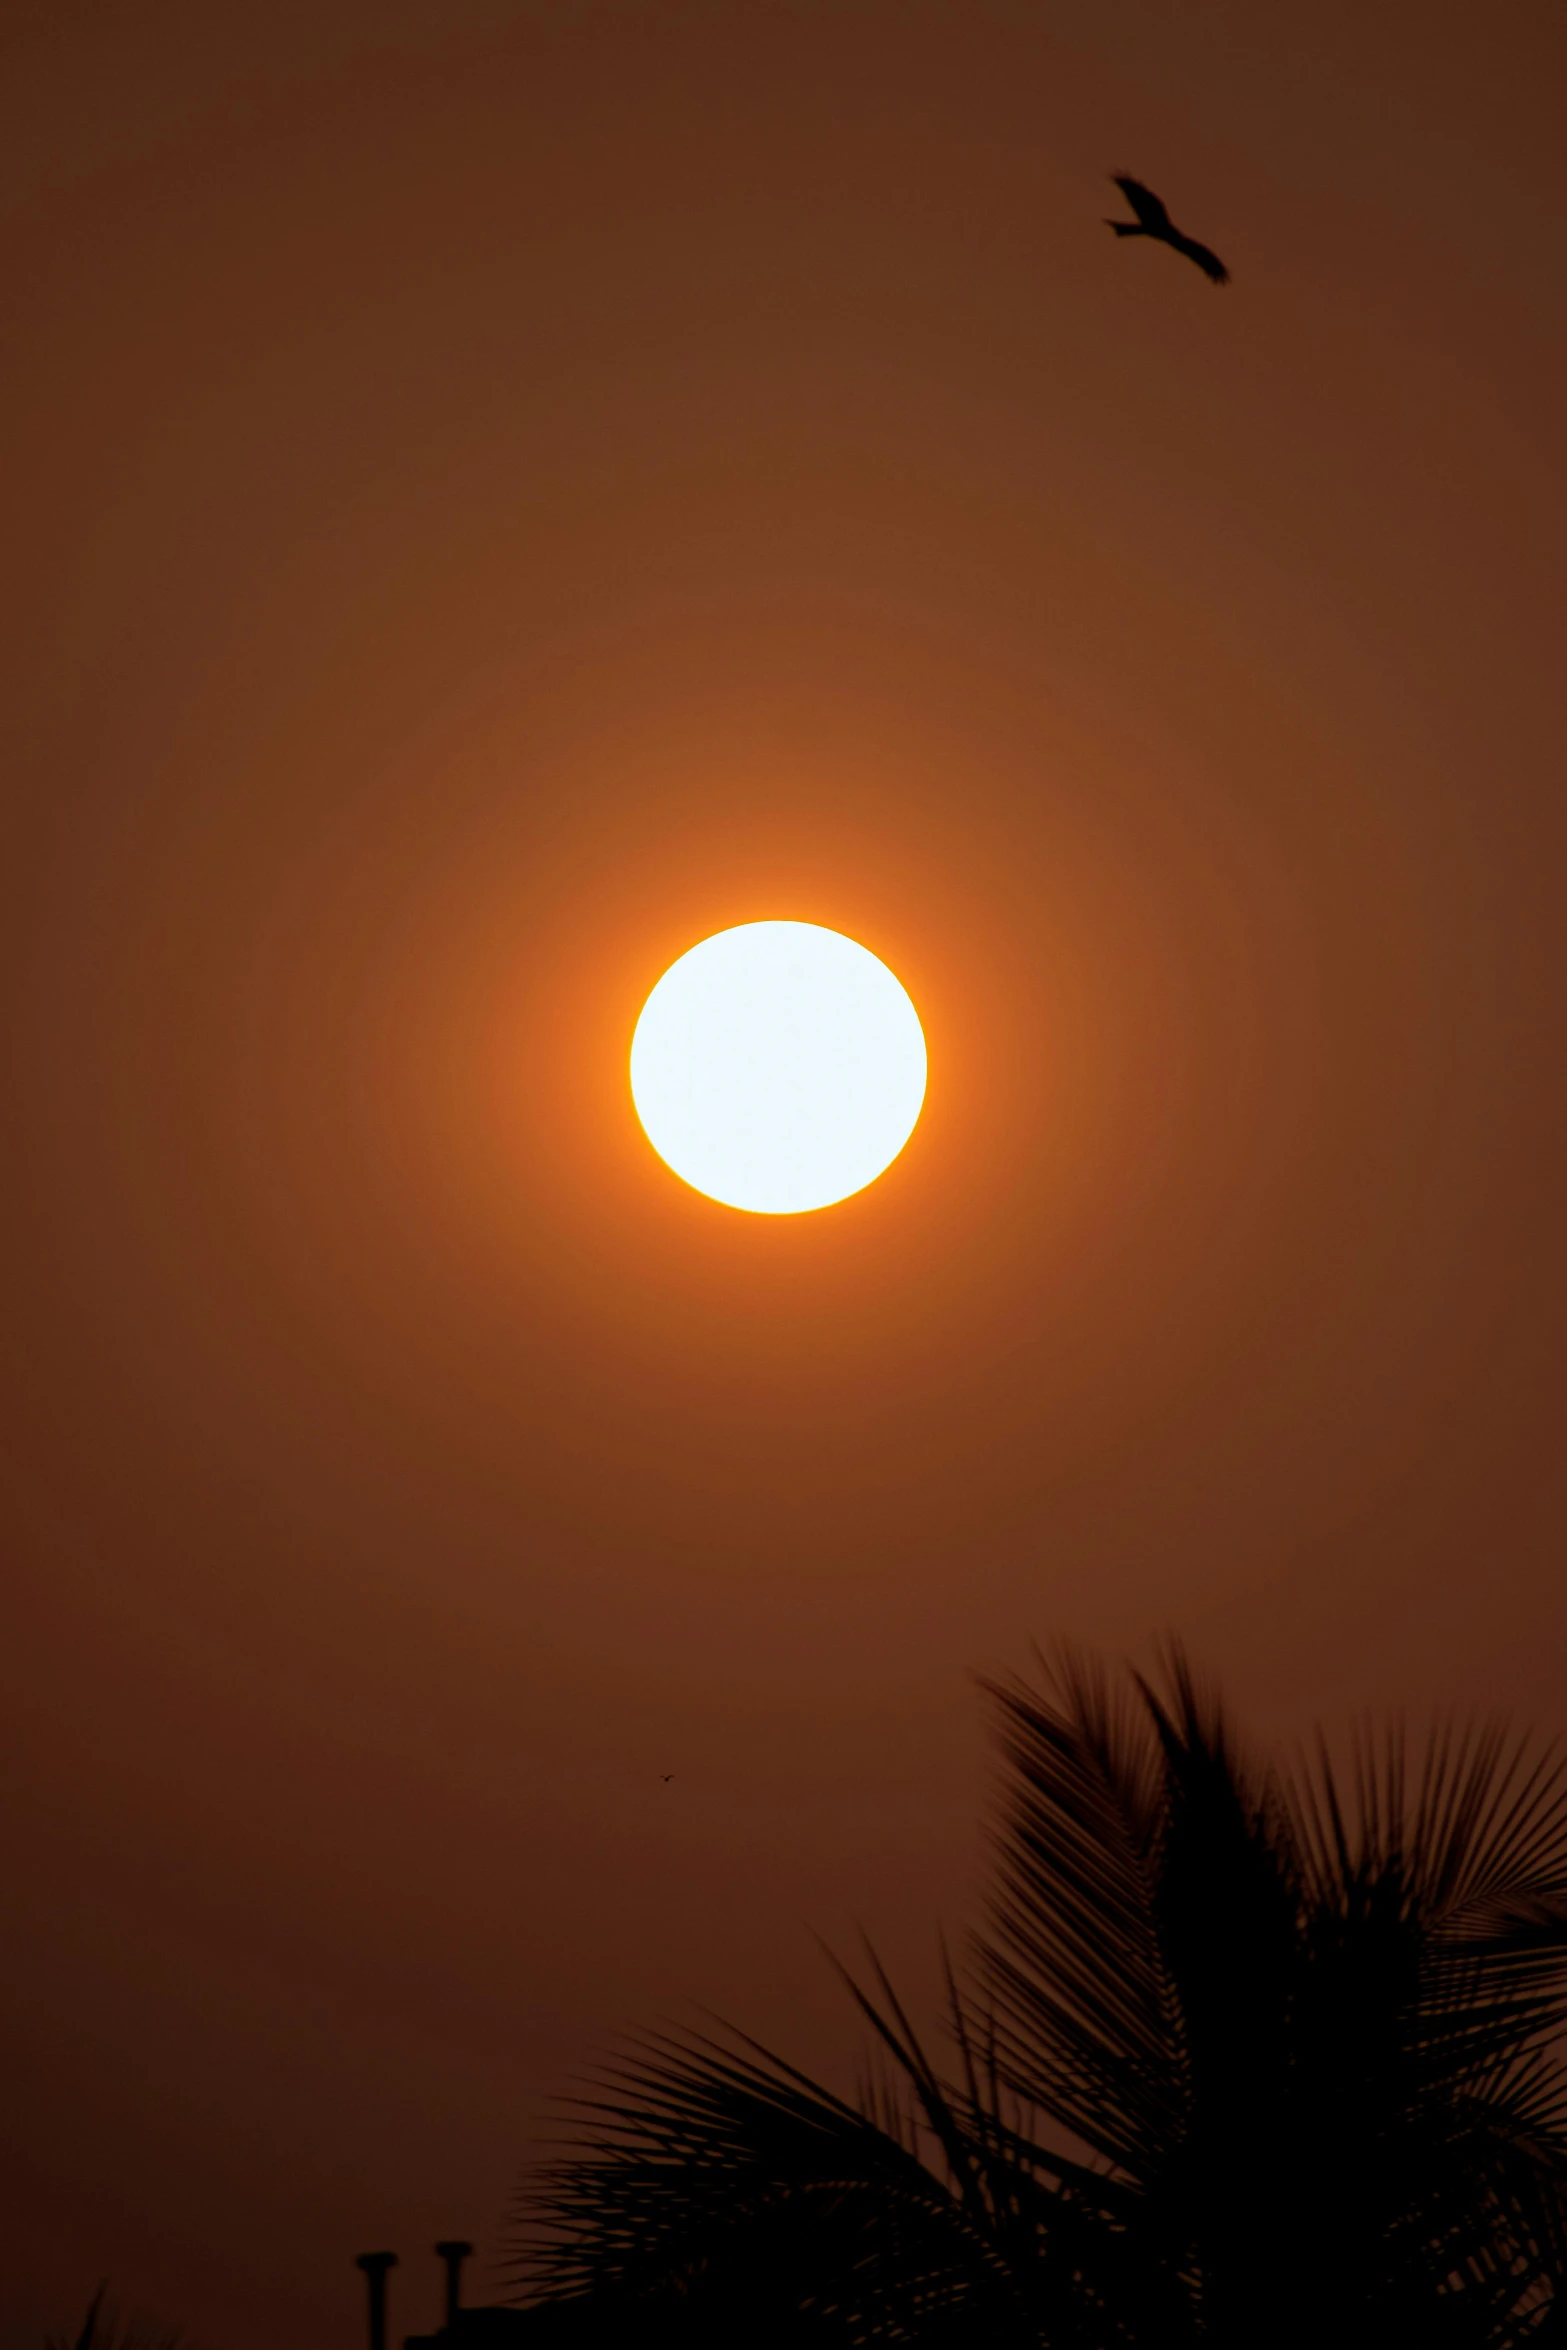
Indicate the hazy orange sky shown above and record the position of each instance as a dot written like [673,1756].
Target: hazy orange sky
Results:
[494,493]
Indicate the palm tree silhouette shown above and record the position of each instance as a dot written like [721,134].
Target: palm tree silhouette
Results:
[104,2328]
[1242,2057]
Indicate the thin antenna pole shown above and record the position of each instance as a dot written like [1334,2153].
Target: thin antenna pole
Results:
[375,2266]
[454,2252]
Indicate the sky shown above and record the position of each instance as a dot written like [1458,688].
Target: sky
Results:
[494,494]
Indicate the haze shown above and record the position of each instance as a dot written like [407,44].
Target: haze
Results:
[495,495]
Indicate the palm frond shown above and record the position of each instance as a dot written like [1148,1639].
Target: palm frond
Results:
[1240,2055]
[715,2174]
[106,2328]
[1466,1862]
[1073,1961]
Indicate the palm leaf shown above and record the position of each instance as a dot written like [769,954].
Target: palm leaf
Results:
[106,2328]
[1073,1963]
[715,2174]
[1240,2056]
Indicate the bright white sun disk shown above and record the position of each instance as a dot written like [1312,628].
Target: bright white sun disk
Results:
[778,1067]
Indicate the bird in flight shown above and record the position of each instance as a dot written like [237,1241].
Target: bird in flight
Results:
[666,1776]
[1153,221]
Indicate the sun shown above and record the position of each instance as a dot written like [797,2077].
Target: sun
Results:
[778,1067]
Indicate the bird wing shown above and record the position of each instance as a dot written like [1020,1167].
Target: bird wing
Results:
[1147,206]
[1206,259]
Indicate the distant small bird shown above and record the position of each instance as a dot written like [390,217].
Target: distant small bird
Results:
[1153,221]
[666,1776]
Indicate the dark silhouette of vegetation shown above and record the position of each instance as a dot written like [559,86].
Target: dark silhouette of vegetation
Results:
[1154,221]
[104,2328]
[1241,2057]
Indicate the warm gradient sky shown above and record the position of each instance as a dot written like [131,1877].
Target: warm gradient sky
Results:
[492,494]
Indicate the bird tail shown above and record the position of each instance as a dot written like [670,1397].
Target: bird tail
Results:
[1127,228]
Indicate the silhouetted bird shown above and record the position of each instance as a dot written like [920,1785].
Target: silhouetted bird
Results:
[1153,221]
[666,1776]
